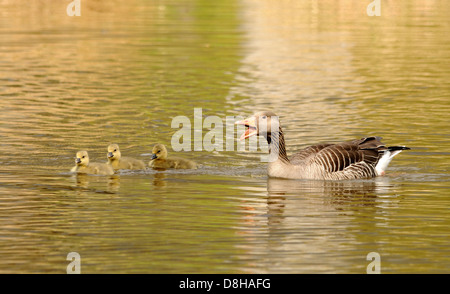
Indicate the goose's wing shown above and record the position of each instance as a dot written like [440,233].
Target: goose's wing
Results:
[355,156]
[307,153]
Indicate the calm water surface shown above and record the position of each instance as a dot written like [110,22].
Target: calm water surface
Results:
[122,71]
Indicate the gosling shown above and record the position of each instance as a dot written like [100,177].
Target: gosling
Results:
[160,160]
[116,161]
[83,166]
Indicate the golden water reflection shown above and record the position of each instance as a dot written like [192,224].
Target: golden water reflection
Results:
[123,70]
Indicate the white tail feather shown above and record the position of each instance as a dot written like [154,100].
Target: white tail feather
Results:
[385,160]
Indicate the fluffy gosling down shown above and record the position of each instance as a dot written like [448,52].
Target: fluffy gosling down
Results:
[160,160]
[116,161]
[83,166]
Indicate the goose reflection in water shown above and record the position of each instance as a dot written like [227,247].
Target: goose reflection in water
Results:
[298,221]
[311,196]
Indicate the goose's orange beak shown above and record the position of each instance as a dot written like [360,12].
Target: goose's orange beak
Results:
[251,130]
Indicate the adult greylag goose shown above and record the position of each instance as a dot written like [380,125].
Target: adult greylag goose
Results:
[358,159]
[160,160]
[117,161]
[83,166]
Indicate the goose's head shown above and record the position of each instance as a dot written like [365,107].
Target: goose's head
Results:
[262,123]
[82,158]
[159,151]
[113,152]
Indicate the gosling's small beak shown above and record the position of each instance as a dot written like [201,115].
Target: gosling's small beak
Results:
[251,124]
[154,156]
[110,154]
[77,160]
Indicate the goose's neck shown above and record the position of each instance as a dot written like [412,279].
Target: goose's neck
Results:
[277,145]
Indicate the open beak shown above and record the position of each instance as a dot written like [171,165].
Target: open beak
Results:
[153,156]
[77,160]
[251,130]
[110,154]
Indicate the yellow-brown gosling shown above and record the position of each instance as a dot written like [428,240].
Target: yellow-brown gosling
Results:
[117,162]
[160,160]
[83,166]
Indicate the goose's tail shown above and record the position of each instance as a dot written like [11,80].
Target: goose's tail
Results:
[386,158]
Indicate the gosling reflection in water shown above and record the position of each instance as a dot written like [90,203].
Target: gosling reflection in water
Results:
[159,180]
[85,181]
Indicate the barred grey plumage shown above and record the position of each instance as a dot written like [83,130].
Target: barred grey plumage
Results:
[357,159]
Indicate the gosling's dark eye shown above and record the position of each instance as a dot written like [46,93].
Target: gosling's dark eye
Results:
[115,150]
[159,151]
[83,157]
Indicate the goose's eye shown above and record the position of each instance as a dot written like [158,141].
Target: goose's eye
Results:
[83,157]
[115,150]
[159,151]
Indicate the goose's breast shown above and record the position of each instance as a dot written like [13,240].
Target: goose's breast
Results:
[279,169]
